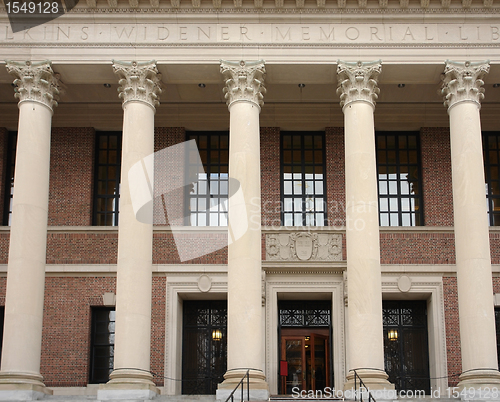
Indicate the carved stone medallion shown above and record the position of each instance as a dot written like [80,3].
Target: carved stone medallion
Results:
[303,247]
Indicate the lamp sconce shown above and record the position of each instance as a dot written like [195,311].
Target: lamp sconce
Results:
[216,335]
[392,334]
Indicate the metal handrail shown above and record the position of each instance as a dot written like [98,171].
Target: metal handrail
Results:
[361,384]
[231,396]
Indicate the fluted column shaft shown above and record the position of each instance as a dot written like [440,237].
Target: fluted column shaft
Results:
[36,88]
[463,92]
[358,91]
[140,86]
[244,89]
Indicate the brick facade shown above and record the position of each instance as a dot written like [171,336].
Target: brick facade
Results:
[71,176]
[69,299]
[453,351]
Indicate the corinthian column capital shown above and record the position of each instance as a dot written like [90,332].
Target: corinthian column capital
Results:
[463,82]
[139,81]
[35,82]
[244,81]
[358,81]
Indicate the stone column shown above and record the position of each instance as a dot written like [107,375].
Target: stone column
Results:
[139,88]
[463,92]
[36,89]
[358,92]
[244,88]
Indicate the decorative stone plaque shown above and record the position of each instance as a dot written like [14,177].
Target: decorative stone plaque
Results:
[303,246]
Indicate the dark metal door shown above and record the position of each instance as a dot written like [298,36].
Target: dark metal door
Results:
[406,347]
[204,346]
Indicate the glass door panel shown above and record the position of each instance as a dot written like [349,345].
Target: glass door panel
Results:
[293,354]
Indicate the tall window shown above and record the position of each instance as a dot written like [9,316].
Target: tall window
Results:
[399,186]
[102,344]
[107,178]
[303,189]
[208,197]
[491,150]
[9,181]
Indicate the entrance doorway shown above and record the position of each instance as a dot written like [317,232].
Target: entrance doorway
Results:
[406,349]
[204,346]
[305,346]
[305,358]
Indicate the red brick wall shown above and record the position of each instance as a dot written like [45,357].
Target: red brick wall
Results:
[71,176]
[436,176]
[158,328]
[417,248]
[66,330]
[270,176]
[166,137]
[335,176]
[452,329]
[4,144]
[67,324]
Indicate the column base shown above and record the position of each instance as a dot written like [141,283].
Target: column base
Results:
[18,386]
[373,379]
[128,384]
[259,389]
[479,384]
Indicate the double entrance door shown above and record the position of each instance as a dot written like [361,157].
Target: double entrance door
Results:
[304,360]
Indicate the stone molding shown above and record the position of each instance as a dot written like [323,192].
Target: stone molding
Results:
[244,81]
[463,82]
[358,81]
[139,82]
[35,82]
[304,246]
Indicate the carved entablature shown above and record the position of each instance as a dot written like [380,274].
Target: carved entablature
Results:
[244,81]
[358,81]
[139,81]
[35,82]
[463,82]
[303,246]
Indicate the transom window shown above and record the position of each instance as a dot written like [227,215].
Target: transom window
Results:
[208,197]
[303,188]
[398,166]
[107,178]
[9,182]
[491,150]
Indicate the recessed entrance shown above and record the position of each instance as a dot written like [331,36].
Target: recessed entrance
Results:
[406,347]
[204,345]
[305,348]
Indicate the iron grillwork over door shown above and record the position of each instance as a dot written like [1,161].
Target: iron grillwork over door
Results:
[406,347]
[305,313]
[204,346]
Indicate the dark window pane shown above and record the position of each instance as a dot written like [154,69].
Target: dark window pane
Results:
[214,155]
[398,177]
[107,178]
[307,171]
[491,175]
[102,344]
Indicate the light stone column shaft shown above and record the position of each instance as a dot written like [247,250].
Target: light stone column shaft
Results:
[462,88]
[36,88]
[244,93]
[131,379]
[358,92]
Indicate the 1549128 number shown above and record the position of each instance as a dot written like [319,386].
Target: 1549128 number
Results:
[42,7]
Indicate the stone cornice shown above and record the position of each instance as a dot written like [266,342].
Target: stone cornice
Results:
[244,81]
[358,82]
[139,81]
[463,82]
[35,82]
